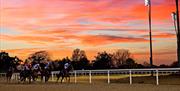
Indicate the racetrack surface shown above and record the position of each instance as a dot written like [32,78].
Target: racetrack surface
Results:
[87,87]
[99,83]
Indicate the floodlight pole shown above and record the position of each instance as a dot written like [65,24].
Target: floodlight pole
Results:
[150,34]
[178,33]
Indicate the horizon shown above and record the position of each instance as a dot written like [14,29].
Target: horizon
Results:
[60,26]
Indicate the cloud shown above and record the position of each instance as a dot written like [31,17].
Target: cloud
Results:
[106,39]
[162,35]
[70,23]
[39,40]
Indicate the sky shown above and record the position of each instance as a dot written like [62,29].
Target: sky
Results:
[60,26]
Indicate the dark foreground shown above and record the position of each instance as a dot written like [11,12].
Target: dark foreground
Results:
[87,87]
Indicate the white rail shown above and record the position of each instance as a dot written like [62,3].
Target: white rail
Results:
[108,72]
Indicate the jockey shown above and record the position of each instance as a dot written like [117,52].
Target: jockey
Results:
[66,65]
[47,65]
[36,66]
[26,67]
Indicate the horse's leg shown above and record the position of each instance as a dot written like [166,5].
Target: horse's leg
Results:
[42,77]
[24,79]
[29,79]
[69,78]
[58,76]
[21,78]
[33,77]
[11,77]
[7,79]
[62,78]
[66,77]
[48,77]
[45,78]
[36,77]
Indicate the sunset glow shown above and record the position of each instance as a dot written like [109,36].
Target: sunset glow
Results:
[59,26]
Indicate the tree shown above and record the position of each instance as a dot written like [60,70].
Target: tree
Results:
[78,54]
[39,57]
[163,66]
[75,55]
[6,61]
[56,64]
[79,60]
[131,63]
[83,63]
[119,57]
[174,64]
[103,60]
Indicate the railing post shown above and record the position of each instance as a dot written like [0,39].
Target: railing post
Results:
[90,81]
[130,77]
[108,77]
[157,78]
[75,80]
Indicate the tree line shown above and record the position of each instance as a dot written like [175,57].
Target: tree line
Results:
[120,59]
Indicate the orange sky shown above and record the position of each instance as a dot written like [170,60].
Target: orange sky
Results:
[59,26]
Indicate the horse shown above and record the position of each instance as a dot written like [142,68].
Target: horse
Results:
[45,71]
[35,72]
[9,74]
[25,73]
[64,73]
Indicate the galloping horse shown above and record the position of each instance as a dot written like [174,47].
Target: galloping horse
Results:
[25,73]
[9,73]
[64,72]
[45,71]
[34,71]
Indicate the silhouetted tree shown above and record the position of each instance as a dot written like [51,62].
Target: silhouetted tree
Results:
[163,66]
[84,63]
[78,54]
[75,55]
[131,63]
[174,64]
[146,64]
[6,61]
[119,57]
[56,64]
[79,60]
[39,57]
[103,60]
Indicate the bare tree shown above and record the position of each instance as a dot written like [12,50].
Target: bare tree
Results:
[39,57]
[78,54]
[119,57]
[75,55]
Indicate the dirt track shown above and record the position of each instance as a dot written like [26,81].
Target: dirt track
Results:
[87,87]
[167,83]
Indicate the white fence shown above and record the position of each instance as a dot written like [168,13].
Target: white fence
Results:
[108,72]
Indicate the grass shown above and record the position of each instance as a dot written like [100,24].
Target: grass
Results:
[123,79]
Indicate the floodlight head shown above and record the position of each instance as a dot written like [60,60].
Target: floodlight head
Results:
[173,14]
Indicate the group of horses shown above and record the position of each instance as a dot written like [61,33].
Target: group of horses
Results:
[43,72]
